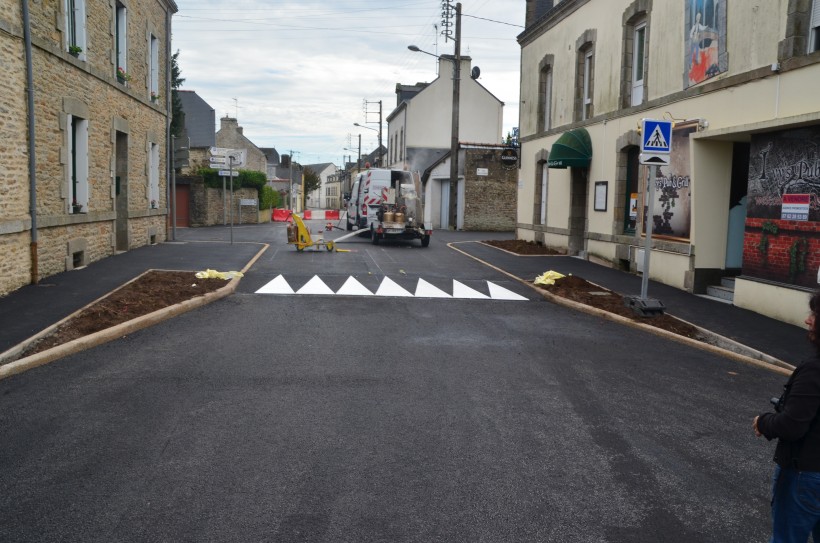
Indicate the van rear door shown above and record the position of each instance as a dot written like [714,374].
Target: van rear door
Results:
[353,205]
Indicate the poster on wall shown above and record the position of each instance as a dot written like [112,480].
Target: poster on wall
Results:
[672,208]
[781,238]
[705,38]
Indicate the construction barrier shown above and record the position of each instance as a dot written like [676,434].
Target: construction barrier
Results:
[281,215]
[321,215]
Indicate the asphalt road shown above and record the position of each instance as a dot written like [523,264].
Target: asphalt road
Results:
[269,417]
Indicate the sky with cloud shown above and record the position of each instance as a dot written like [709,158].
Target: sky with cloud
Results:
[297,74]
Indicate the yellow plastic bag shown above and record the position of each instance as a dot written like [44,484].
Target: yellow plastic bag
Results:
[213,274]
[548,278]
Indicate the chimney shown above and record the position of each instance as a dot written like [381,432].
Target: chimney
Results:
[530,13]
[537,9]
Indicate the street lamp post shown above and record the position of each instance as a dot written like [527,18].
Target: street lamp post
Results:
[454,130]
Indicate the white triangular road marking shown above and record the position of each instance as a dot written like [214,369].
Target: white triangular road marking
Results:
[500,293]
[426,290]
[277,286]
[460,290]
[391,288]
[354,288]
[315,286]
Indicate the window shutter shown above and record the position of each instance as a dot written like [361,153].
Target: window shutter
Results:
[815,14]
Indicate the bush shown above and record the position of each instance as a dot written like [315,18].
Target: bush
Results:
[269,198]
[245,179]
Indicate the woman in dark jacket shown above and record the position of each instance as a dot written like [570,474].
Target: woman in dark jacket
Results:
[796,425]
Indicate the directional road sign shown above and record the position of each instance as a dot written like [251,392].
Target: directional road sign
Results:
[656,136]
[227,173]
[238,157]
[219,151]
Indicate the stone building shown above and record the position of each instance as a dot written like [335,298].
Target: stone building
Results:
[419,135]
[740,197]
[230,136]
[93,179]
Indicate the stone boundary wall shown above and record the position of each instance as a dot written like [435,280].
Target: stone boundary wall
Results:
[489,200]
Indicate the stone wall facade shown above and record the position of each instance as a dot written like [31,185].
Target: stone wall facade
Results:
[207,205]
[125,145]
[490,198]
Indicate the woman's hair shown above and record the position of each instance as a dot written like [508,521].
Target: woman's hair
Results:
[814,333]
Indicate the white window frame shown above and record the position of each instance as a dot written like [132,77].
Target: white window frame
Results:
[153,174]
[154,66]
[548,98]
[121,37]
[587,96]
[638,63]
[814,27]
[77,171]
[75,25]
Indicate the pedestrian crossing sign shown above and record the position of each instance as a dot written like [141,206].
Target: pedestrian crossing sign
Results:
[656,136]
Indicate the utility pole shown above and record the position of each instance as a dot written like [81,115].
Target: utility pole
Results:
[366,103]
[454,131]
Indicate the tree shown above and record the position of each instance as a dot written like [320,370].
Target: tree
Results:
[312,181]
[177,115]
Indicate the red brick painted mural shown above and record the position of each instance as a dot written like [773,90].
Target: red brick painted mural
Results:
[782,240]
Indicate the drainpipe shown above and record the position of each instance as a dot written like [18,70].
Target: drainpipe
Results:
[32,171]
[169,167]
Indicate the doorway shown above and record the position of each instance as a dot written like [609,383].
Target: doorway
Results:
[121,192]
[444,211]
[183,198]
[737,207]
[576,244]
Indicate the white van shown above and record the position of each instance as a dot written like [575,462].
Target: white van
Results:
[377,193]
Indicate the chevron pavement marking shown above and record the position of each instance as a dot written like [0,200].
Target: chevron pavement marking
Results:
[389,288]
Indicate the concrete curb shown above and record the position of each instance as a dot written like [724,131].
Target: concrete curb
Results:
[120,330]
[724,346]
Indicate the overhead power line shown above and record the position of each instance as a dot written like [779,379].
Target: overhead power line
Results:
[492,20]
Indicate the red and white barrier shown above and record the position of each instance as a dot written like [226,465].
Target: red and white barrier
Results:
[321,215]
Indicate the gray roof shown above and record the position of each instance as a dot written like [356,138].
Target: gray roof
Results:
[319,168]
[200,119]
[271,154]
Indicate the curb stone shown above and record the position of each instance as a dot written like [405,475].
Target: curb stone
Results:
[722,346]
[109,334]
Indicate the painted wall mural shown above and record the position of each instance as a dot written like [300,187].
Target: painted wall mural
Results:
[782,235]
[672,208]
[705,38]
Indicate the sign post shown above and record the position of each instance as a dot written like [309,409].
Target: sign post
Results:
[656,146]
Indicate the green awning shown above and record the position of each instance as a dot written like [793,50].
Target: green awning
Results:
[572,150]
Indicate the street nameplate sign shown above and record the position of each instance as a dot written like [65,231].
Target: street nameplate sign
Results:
[247,201]
[227,173]
[656,136]
[654,159]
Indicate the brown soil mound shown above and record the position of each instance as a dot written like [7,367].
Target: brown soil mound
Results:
[582,291]
[522,247]
[152,291]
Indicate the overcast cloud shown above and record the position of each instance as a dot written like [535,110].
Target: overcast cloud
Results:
[295,74]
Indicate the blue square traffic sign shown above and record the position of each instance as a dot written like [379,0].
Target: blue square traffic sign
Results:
[656,136]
